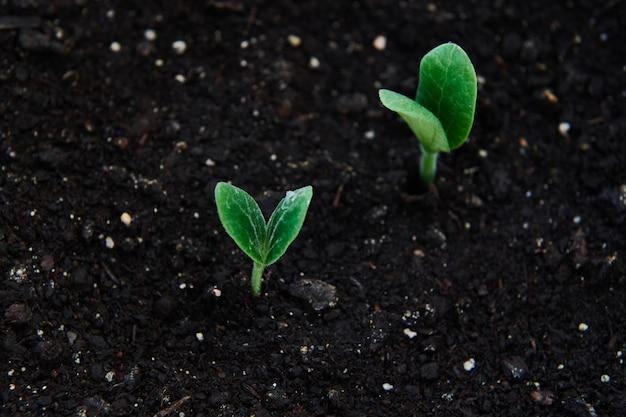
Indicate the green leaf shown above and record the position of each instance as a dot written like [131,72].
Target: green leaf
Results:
[242,219]
[447,87]
[425,125]
[286,222]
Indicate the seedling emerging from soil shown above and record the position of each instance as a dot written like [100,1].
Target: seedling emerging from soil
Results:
[264,242]
[442,113]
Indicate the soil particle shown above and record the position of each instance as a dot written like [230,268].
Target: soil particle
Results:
[514,367]
[319,295]
[18,314]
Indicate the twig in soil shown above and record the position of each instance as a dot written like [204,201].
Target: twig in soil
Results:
[172,408]
[109,273]
[338,196]
[251,390]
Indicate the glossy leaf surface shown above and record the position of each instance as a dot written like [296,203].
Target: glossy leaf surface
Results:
[242,218]
[286,222]
[424,124]
[447,87]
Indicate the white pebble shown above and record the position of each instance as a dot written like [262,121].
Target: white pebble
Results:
[469,364]
[180,78]
[380,42]
[109,376]
[110,243]
[115,47]
[200,337]
[126,219]
[209,162]
[294,40]
[159,62]
[387,386]
[150,35]
[216,292]
[314,63]
[605,378]
[564,128]
[179,47]
[582,327]
[244,44]
[370,134]
[482,153]
[409,333]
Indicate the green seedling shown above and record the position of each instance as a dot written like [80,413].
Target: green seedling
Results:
[263,242]
[442,113]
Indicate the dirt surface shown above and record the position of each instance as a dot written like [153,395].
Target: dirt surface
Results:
[502,292]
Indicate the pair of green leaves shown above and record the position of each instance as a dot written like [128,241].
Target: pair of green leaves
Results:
[243,220]
[442,114]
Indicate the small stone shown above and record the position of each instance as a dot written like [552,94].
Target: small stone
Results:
[18,313]
[109,376]
[110,243]
[314,63]
[317,293]
[71,337]
[115,47]
[409,333]
[469,364]
[150,35]
[179,47]
[380,43]
[294,40]
[583,327]
[126,219]
[209,162]
[200,337]
[605,378]
[387,386]
[543,397]
[564,128]
[514,367]
[180,78]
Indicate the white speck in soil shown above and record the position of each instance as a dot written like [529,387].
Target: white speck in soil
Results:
[180,78]
[583,327]
[314,62]
[12,387]
[126,219]
[387,386]
[380,42]
[244,44]
[179,47]
[561,366]
[469,364]
[150,35]
[564,128]
[482,153]
[370,134]
[109,376]
[110,243]
[209,162]
[294,40]
[158,62]
[576,220]
[111,14]
[71,337]
[182,286]
[216,292]
[200,337]
[409,333]
[605,378]
[115,47]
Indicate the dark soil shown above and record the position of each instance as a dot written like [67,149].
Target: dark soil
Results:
[519,247]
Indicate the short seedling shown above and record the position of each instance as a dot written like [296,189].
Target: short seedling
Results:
[442,113]
[264,242]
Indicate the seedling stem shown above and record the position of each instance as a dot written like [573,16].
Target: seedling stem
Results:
[428,165]
[257,278]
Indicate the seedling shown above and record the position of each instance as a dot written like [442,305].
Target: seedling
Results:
[442,113]
[263,242]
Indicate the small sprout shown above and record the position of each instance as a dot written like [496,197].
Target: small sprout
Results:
[264,242]
[442,114]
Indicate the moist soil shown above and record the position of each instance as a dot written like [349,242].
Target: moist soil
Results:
[500,291]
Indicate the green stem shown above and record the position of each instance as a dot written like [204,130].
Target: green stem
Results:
[428,165]
[257,278]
